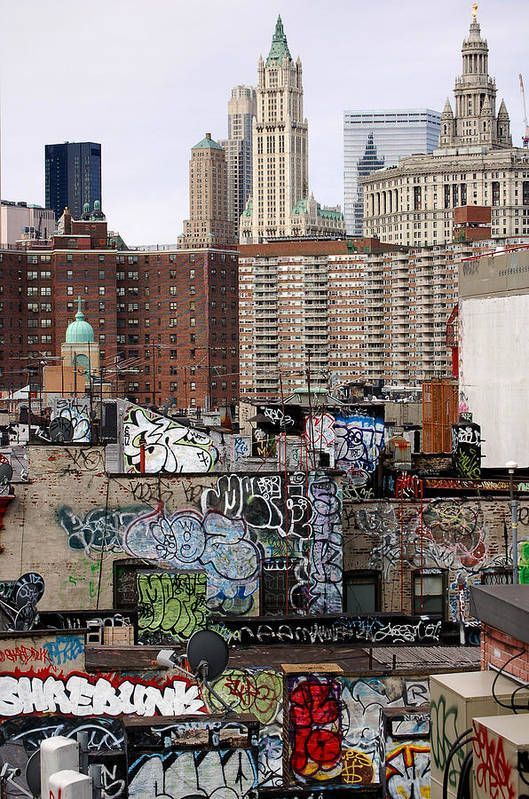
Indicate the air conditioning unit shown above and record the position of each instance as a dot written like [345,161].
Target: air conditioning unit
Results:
[456,700]
[501,757]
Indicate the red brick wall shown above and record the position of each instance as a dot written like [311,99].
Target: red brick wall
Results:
[496,649]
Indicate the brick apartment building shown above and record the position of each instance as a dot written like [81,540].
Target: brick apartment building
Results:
[166,322]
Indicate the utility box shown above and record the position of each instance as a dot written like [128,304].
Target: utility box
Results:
[501,757]
[56,754]
[456,700]
[69,785]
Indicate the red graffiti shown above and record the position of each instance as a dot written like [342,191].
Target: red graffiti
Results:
[25,654]
[315,728]
[408,487]
[493,772]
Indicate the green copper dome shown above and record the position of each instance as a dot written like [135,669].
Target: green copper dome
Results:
[279,48]
[80,331]
[207,144]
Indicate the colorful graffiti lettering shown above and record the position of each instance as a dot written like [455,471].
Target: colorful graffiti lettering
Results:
[494,773]
[408,771]
[164,445]
[258,692]
[170,606]
[315,730]
[104,695]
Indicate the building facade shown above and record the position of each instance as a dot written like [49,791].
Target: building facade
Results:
[19,221]
[72,176]
[377,139]
[279,205]
[238,146]
[208,224]
[413,203]
[357,311]
[165,323]
[493,351]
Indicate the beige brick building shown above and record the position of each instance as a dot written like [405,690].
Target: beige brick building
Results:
[208,224]
[351,311]
[281,204]
[476,164]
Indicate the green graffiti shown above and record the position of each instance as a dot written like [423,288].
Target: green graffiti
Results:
[523,562]
[443,734]
[250,691]
[170,606]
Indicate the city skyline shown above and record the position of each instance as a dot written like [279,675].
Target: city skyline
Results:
[135,87]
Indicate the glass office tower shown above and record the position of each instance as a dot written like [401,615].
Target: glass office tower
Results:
[377,139]
[73,176]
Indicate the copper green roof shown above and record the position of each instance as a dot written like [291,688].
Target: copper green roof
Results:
[80,331]
[207,143]
[279,48]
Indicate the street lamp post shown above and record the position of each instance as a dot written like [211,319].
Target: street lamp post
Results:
[511,466]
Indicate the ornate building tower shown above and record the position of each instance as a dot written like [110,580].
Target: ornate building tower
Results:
[280,180]
[475,121]
[208,224]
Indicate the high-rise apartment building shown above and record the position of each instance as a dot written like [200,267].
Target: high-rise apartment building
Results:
[281,205]
[413,203]
[165,323]
[346,311]
[238,146]
[72,176]
[208,224]
[377,139]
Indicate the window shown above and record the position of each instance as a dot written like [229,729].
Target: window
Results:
[361,591]
[45,291]
[429,592]
[69,290]
[101,291]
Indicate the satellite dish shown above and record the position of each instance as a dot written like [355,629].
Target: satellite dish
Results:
[61,430]
[6,473]
[28,589]
[208,654]
[33,773]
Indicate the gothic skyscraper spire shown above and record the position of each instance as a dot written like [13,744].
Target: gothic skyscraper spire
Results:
[280,204]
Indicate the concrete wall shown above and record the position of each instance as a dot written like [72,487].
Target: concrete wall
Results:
[494,379]
[72,521]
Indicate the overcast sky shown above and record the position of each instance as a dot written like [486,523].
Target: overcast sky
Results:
[147,79]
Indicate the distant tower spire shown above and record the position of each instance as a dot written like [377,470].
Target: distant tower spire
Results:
[474,11]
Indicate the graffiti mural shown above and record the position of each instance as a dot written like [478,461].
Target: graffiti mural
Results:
[466,450]
[70,421]
[448,533]
[215,759]
[18,602]
[359,441]
[237,527]
[44,691]
[171,607]
[494,770]
[314,728]
[164,445]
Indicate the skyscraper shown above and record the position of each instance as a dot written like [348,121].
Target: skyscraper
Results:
[280,204]
[73,176]
[377,139]
[208,224]
[241,113]
[475,164]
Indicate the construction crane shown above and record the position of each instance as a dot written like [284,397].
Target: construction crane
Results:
[525,137]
